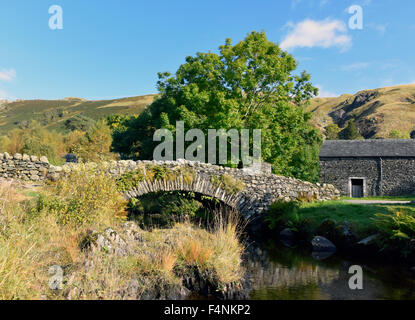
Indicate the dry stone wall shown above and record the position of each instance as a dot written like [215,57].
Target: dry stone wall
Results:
[258,189]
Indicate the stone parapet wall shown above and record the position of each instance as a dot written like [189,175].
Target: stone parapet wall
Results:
[259,190]
[23,167]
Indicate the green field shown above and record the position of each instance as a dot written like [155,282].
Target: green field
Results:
[361,216]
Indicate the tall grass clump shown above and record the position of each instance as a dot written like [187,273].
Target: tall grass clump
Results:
[29,245]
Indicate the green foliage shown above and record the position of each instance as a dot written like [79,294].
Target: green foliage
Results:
[280,213]
[84,197]
[34,140]
[249,85]
[95,144]
[79,122]
[130,179]
[396,134]
[397,231]
[351,132]
[228,183]
[332,132]
[164,208]
[160,172]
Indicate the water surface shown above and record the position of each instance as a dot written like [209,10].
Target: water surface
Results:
[281,273]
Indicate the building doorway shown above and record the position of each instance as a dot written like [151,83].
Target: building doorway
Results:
[357,190]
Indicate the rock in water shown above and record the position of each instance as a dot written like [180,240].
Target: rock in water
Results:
[369,240]
[321,244]
[287,234]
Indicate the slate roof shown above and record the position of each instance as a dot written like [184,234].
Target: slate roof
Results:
[368,148]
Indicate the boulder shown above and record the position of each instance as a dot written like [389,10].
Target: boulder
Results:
[321,244]
[322,255]
[44,159]
[368,241]
[287,234]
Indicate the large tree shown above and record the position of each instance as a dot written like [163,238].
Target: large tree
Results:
[249,85]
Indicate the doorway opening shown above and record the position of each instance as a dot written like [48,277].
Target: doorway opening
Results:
[357,187]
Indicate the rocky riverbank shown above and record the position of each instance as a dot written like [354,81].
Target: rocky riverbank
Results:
[131,242]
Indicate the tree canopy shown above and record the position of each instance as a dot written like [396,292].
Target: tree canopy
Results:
[249,85]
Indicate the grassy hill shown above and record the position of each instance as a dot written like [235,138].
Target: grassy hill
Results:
[376,112]
[53,113]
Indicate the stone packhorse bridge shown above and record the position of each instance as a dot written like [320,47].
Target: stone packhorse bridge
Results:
[250,192]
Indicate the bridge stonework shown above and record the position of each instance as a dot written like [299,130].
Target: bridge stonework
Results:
[257,190]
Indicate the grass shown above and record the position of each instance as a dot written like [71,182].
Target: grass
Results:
[35,237]
[13,113]
[392,198]
[392,109]
[359,215]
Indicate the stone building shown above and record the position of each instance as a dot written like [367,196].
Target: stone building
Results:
[369,167]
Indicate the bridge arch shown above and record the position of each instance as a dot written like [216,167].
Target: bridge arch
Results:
[201,184]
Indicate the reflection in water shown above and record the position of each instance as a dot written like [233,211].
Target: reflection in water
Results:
[284,273]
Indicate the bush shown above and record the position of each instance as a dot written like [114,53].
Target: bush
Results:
[130,179]
[35,140]
[396,134]
[87,195]
[280,212]
[397,232]
[332,132]
[95,145]
[79,122]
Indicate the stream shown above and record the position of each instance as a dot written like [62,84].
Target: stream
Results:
[281,273]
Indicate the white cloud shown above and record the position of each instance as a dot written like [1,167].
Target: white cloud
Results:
[7,75]
[355,66]
[323,2]
[324,34]
[324,93]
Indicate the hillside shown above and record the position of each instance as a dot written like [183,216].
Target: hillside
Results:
[376,112]
[53,113]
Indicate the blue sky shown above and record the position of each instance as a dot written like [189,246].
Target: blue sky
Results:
[111,49]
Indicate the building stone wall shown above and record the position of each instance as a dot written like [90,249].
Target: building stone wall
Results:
[383,176]
[398,176]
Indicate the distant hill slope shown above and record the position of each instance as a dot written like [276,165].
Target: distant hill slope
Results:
[53,113]
[376,112]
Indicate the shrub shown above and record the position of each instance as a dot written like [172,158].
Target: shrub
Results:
[87,195]
[279,213]
[228,183]
[35,140]
[396,134]
[130,179]
[397,231]
[79,122]
[95,145]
